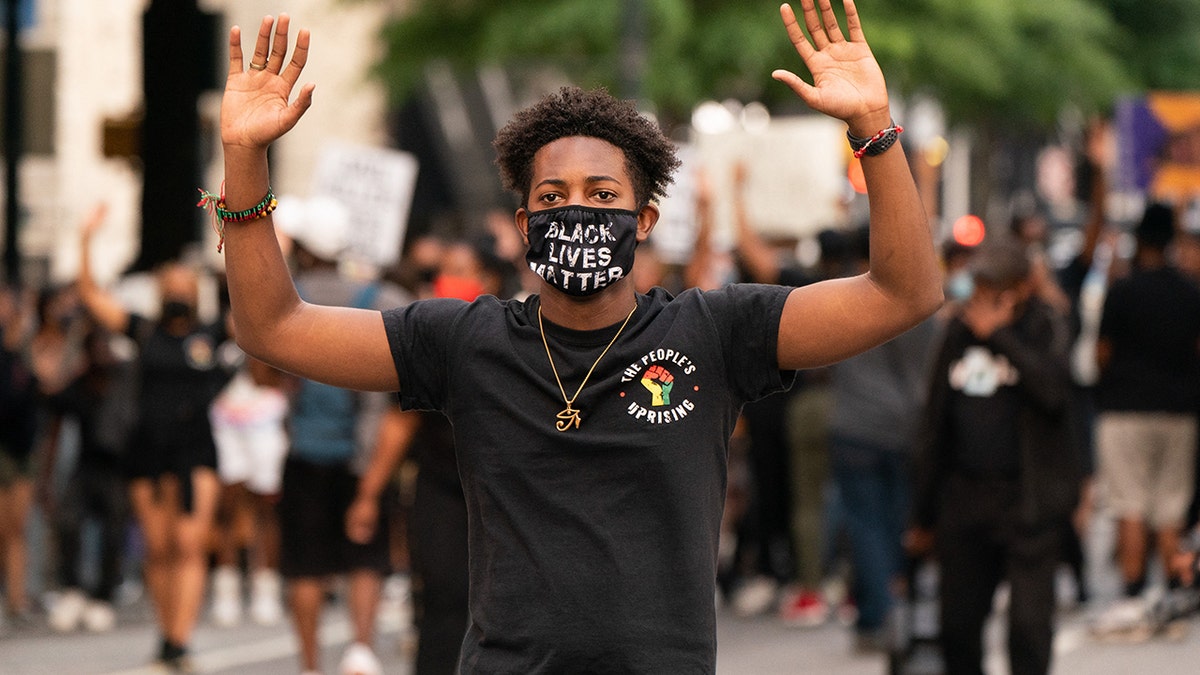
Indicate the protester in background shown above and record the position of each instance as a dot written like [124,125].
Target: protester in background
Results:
[1147,397]
[1030,229]
[763,562]
[58,356]
[997,471]
[18,431]
[248,427]
[438,527]
[1084,280]
[171,458]
[878,397]
[333,434]
[102,403]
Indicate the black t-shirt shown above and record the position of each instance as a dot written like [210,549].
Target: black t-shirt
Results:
[984,407]
[432,448]
[592,549]
[1152,320]
[179,376]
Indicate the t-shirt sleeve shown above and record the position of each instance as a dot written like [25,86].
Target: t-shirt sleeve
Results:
[746,317]
[421,335]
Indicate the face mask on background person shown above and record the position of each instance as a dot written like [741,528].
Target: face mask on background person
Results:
[960,285]
[581,250]
[176,309]
[452,286]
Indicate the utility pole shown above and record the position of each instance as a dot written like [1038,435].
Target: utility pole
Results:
[633,48]
[178,65]
[14,111]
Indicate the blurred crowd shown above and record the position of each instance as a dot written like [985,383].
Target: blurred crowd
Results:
[1047,396]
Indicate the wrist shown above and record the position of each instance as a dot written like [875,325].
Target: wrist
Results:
[241,152]
[867,125]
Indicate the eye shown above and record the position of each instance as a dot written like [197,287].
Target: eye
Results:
[605,195]
[550,198]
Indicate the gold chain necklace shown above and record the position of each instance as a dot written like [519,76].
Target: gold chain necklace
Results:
[569,416]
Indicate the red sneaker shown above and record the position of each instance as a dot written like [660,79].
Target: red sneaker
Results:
[805,608]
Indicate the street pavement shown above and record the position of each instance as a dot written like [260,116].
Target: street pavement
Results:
[754,646]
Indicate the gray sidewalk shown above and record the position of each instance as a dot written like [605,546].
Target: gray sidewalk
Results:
[759,646]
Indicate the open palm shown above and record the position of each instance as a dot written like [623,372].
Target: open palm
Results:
[847,82]
[255,109]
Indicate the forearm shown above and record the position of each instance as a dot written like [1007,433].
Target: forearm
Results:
[755,255]
[103,307]
[261,292]
[396,430]
[904,262]
[695,274]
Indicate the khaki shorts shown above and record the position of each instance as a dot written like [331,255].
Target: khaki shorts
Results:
[1147,464]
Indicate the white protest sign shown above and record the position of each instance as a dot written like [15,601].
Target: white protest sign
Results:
[376,185]
[674,236]
[796,176]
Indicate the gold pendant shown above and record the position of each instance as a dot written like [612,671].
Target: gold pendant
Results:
[566,418]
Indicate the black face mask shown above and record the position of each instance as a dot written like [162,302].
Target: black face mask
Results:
[581,250]
[174,309]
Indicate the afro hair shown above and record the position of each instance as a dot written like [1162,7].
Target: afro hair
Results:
[650,157]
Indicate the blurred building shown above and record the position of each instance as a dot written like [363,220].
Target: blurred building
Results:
[86,117]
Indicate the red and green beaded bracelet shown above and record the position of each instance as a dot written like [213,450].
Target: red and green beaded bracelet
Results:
[215,204]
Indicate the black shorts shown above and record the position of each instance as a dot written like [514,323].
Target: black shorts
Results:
[148,456]
[312,523]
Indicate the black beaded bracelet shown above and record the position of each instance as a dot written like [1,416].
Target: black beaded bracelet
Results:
[876,144]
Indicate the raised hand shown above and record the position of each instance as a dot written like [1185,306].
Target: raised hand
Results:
[255,109]
[847,82]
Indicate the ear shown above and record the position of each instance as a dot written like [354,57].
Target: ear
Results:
[647,219]
[521,221]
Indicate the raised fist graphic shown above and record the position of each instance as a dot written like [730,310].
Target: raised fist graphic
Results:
[658,382]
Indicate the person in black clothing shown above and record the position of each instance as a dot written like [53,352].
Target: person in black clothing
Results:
[997,471]
[1147,397]
[102,401]
[171,460]
[591,423]
[437,530]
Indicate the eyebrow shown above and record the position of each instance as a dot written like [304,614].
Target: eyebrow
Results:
[559,182]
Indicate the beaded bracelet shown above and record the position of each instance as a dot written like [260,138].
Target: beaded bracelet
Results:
[876,144]
[215,204]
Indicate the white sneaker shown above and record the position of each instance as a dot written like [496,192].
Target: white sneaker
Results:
[755,596]
[1127,620]
[266,607]
[396,601]
[99,617]
[226,597]
[67,610]
[359,659]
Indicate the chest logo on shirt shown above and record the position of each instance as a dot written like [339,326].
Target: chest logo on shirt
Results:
[980,372]
[659,384]
[199,352]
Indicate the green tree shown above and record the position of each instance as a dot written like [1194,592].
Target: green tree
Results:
[987,61]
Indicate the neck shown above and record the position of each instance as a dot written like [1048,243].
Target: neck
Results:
[605,308]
